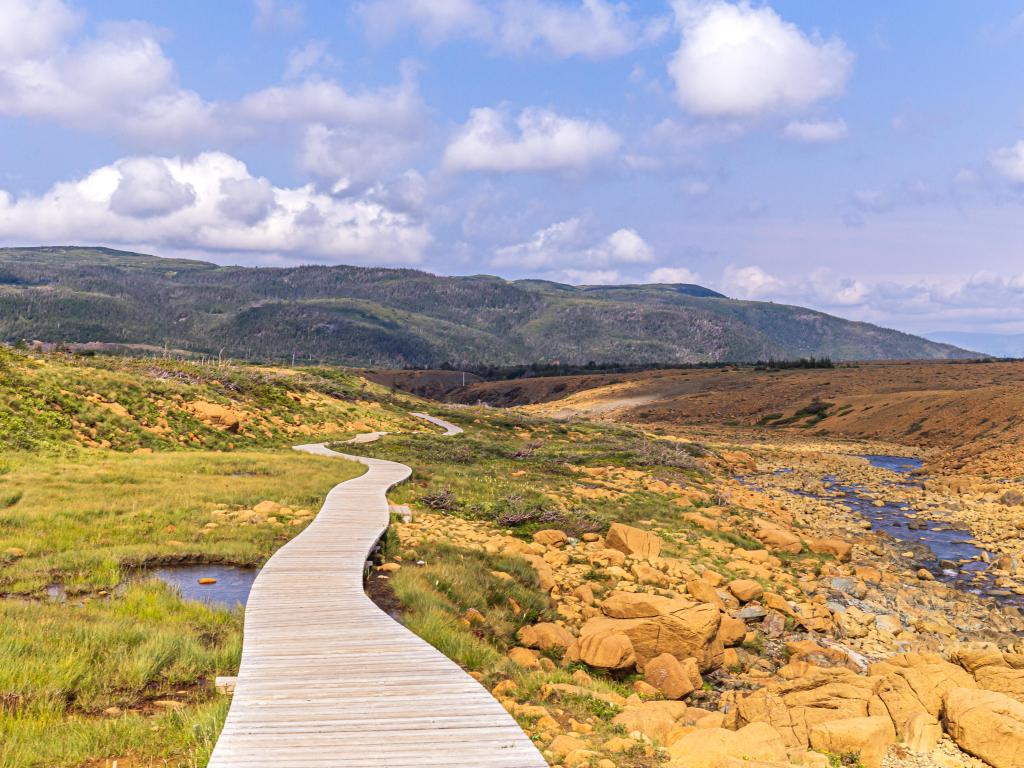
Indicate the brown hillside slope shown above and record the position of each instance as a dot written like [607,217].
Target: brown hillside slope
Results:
[972,413]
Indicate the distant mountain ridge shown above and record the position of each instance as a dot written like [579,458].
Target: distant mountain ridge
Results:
[368,316]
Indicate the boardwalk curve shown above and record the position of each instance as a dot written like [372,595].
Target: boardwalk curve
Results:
[329,681]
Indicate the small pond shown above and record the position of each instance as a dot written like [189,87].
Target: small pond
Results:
[230,590]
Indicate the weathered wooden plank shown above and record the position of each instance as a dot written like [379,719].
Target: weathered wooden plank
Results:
[328,681]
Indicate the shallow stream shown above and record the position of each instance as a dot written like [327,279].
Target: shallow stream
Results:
[942,548]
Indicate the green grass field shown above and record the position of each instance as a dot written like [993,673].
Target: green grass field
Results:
[91,519]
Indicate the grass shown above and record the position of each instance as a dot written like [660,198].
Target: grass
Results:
[84,520]
[62,666]
[437,595]
[524,473]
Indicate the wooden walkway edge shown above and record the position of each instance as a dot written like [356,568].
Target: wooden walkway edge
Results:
[328,680]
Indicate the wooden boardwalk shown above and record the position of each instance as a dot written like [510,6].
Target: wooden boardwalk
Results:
[327,680]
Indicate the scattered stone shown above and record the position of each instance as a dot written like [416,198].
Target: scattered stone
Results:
[633,541]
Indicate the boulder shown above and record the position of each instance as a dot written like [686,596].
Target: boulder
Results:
[704,592]
[550,537]
[987,724]
[545,635]
[563,744]
[673,678]
[994,671]
[922,733]
[841,550]
[633,541]
[868,737]
[795,706]
[928,677]
[731,631]
[524,658]
[745,590]
[681,628]
[640,605]
[648,574]
[709,747]
[545,576]
[777,539]
[606,649]
[655,719]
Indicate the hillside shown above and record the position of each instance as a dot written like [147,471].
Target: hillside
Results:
[401,317]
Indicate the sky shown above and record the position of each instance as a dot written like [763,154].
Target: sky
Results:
[865,159]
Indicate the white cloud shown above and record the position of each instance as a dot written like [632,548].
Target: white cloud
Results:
[816,131]
[750,283]
[592,29]
[121,82]
[626,245]
[33,28]
[740,61]
[568,245]
[542,141]
[673,275]
[118,80]
[211,204]
[1009,161]
[146,188]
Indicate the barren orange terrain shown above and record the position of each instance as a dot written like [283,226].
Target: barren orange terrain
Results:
[971,414]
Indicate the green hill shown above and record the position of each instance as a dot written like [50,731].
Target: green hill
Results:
[398,317]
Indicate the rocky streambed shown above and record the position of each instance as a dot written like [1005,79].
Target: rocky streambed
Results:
[933,545]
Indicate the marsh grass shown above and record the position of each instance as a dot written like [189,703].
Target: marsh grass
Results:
[87,518]
[61,666]
[436,597]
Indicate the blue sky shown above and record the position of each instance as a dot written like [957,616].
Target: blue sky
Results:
[862,158]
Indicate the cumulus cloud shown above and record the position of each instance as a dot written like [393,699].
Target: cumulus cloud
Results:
[750,282]
[146,188]
[672,275]
[1009,161]
[541,140]
[592,29]
[33,28]
[816,131]
[569,245]
[211,203]
[119,79]
[741,61]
